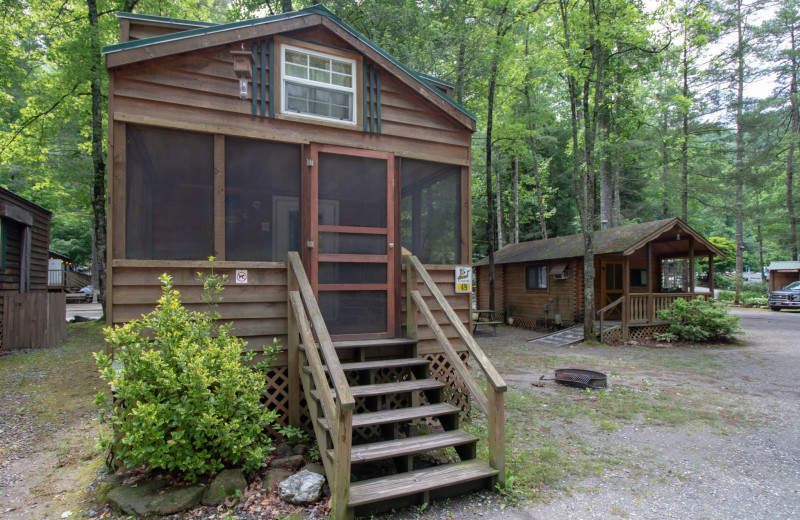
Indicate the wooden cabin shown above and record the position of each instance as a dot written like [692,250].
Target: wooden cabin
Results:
[638,271]
[782,274]
[29,316]
[332,185]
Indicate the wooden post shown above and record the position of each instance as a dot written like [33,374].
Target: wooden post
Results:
[292,351]
[711,276]
[340,487]
[411,308]
[691,264]
[626,290]
[497,434]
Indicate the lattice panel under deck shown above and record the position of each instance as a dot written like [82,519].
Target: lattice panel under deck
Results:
[647,331]
[456,392]
[537,323]
[276,398]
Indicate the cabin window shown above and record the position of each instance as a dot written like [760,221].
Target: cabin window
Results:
[318,85]
[430,205]
[262,194]
[169,212]
[536,277]
[638,277]
[3,240]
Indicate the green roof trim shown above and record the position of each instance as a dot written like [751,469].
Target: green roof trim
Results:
[314,9]
[784,266]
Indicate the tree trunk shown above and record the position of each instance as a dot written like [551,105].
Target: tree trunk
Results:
[604,169]
[498,178]
[739,166]
[685,133]
[759,239]
[98,159]
[616,214]
[794,137]
[664,164]
[516,198]
[286,6]
[534,160]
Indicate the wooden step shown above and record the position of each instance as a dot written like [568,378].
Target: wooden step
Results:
[399,415]
[403,484]
[361,343]
[408,446]
[399,387]
[377,365]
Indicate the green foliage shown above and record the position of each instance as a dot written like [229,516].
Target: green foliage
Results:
[185,397]
[292,435]
[697,321]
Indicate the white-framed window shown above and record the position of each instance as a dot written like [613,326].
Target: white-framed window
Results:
[318,86]
[536,276]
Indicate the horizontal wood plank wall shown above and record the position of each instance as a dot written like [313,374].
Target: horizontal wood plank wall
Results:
[482,290]
[256,309]
[199,91]
[560,295]
[780,279]
[444,277]
[40,243]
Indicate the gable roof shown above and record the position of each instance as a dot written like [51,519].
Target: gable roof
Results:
[623,239]
[784,266]
[212,35]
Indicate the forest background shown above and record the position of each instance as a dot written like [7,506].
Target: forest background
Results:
[589,111]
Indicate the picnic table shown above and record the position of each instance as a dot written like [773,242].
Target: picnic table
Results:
[485,317]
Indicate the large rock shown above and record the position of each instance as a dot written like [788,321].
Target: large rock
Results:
[302,488]
[275,477]
[224,485]
[292,462]
[148,498]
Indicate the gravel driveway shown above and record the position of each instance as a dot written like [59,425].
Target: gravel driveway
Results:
[690,472]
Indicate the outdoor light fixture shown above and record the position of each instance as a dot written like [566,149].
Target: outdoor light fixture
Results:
[243,67]
[678,236]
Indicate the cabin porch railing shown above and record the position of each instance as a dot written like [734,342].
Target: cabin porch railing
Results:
[492,402]
[306,322]
[638,308]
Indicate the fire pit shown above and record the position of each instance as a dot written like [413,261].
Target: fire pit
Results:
[579,378]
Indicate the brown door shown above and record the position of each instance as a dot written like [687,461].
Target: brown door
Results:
[612,288]
[353,262]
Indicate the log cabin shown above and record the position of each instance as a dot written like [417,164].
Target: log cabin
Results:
[540,284]
[29,316]
[332,185]
[782,273]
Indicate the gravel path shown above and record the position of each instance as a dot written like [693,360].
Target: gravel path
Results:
[694,473]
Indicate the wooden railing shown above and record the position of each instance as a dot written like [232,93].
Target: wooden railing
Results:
[643,308]
[305,321]
[601,313]
[492,402]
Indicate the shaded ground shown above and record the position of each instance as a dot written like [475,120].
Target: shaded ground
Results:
[683,432]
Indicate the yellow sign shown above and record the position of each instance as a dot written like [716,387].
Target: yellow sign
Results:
[463,279]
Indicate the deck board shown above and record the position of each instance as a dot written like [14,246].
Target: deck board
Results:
[409,445]
[399,415]
[413,385]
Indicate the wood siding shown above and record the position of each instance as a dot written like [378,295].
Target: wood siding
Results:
[482,289]
[33,320]
[780,279]
[559,294]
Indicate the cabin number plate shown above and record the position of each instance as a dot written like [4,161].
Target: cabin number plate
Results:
[463,279]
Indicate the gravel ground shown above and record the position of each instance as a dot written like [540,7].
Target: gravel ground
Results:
[686,472]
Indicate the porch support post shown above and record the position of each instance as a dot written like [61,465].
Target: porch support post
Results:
[626,291]
[711,276]
[691,264]
[651,270]
[293,354]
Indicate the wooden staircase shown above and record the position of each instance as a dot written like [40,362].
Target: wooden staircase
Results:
[377,393]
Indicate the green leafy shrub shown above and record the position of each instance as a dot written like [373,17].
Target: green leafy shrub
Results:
[698,320]
[185,398]
[758,301]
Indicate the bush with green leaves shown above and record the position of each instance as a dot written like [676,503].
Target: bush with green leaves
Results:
[698,320]
[184,396]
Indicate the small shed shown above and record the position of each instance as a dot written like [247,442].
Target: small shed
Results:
[540,283]
[29,316]
[307,161]
[782,274]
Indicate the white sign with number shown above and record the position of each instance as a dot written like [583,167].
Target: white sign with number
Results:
[463,279]
[241,276]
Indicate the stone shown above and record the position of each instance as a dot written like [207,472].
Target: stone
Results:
[225,484]
[283,450]
[314,468]
[275,477]
[302,488]
[300,449]
[293,462]
[148,498]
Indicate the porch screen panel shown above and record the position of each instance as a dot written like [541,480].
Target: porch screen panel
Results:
[430,205]
[169,196]
[262,194]
[353,246]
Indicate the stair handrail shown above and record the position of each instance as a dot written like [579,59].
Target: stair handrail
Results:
[602,312]
[492,376]
[492,403]
[338,412]
[344,397]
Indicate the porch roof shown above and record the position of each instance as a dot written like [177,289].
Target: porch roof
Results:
[784,266]
[622,240]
